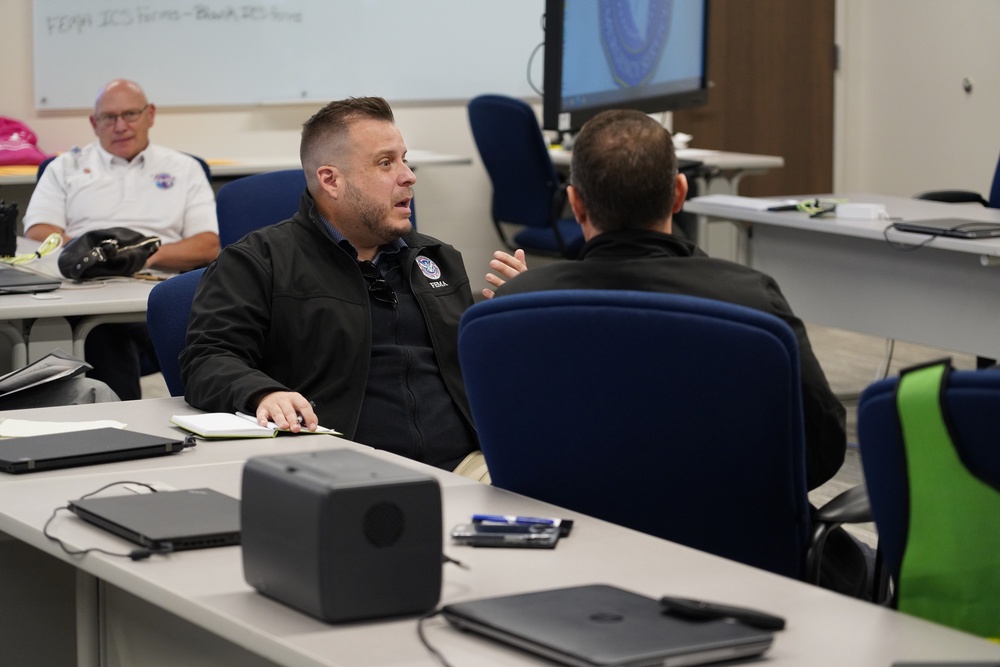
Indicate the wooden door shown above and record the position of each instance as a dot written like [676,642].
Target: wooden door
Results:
[772,64]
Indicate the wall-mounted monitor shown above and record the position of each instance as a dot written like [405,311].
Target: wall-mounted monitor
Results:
[648,55]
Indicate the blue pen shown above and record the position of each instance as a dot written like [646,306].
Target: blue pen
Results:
[511,519]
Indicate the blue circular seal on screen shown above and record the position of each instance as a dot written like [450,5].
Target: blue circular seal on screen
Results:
[632,48]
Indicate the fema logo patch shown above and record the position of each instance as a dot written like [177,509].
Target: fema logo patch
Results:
[428,268]
[164,181]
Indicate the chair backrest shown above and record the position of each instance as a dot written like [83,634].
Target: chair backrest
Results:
[972,400]
[42,165]
[994,199]
[673,415]
[514,153]
[256,201]
[167,313]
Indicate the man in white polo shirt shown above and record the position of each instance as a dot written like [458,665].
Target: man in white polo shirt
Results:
[122,180]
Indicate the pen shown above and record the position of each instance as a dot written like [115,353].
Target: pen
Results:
[784,207]
[299,418]
[511,519]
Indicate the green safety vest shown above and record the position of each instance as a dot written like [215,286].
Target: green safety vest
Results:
[950,572]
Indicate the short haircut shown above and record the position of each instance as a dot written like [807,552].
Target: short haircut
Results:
[624,168]
[323,135]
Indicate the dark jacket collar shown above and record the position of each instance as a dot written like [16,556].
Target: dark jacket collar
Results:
[637,244]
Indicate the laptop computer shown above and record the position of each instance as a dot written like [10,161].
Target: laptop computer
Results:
[167,520]
[600,625]
[954,227]
[81,448]
[19,281]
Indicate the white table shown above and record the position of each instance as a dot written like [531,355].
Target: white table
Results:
[194,608]
[843,273]
[35,323]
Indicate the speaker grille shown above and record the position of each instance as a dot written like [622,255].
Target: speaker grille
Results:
[384,524]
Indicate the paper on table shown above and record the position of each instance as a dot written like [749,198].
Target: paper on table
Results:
[233,425]
[19,428]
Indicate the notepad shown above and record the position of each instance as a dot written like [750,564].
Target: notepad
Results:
[235,425]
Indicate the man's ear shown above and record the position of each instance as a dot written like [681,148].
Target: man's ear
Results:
[93,122]
[580,213]
[152,114]
[330,180]
[680,191]
[576,203]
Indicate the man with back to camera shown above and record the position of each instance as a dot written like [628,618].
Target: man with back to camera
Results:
[122,180]
[625,207]
[342,315]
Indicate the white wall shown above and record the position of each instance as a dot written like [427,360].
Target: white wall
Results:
[452,201]
[904,123]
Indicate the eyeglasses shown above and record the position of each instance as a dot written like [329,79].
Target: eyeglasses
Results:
[108,119]
[377,286]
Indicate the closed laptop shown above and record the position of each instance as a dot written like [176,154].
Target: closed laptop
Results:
[602,626]
[166,521]
[954,227]
[19,281]
[81,448]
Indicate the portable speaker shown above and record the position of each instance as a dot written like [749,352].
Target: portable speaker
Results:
[342,535]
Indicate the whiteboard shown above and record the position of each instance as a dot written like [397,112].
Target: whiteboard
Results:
[218,52]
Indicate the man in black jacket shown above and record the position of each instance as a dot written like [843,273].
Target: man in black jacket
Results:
[342,315]
[625,204]
[624,189]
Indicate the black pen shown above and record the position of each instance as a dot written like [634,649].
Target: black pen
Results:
[785,207]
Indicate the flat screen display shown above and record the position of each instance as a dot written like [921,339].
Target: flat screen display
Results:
[635,54]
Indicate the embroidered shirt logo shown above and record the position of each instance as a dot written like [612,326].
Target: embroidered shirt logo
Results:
[164,181]
[428,268]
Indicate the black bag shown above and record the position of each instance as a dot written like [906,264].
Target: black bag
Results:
[116,251]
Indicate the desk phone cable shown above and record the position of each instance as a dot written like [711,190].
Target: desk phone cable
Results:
[141,553]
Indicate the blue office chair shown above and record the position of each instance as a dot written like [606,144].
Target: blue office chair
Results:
[256,201]
[967,196]
[527,190]
[167,313]
[673,415]
[46,161]
[970,401]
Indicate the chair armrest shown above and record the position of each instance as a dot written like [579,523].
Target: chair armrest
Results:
[851,506]
[953,197]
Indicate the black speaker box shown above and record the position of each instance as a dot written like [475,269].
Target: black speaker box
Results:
[342,535]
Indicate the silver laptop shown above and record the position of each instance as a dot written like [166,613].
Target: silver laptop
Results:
[600,625]
[954,227]
[20,281]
